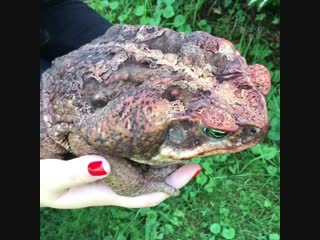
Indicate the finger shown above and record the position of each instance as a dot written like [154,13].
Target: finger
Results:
[99,194]
[91,194]
[79,171]
[183,175]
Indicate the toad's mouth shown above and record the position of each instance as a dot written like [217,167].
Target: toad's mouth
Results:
[178,148]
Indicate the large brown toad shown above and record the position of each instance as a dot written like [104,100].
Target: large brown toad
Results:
[147,99]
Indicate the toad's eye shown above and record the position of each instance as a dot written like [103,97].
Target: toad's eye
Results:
[214,133]
[99,101]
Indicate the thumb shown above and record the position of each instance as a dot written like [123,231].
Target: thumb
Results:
[82,170]
[183,175]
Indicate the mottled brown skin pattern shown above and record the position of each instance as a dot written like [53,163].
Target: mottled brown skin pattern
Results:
[141,95]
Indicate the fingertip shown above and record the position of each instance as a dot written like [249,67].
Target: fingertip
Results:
[197,173]
[96,165]
[183,175]
[90,166]
[97,168]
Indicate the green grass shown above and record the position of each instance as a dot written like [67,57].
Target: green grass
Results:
[237,196]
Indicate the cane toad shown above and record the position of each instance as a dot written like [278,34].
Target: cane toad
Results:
[148,98]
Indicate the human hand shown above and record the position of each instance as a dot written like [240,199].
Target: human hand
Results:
[69,184]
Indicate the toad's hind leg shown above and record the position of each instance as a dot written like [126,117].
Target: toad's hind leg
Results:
[129,179]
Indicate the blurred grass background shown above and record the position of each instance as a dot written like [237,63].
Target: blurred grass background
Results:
[237,196]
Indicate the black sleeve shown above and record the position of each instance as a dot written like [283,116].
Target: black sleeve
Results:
[69,24]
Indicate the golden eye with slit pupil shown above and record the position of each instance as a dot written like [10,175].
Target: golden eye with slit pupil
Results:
[214,133]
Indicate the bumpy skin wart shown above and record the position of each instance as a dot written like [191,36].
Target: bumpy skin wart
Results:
[144,96]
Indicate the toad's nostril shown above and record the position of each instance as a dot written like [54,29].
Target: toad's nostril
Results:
[253,130]
[171,93]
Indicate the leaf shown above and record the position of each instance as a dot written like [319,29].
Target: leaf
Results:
[114,5]
[204,213]
[209,187]
[228,233]
[217,10]
[202,179]
[144,211]
[175,221]
[207,29]
[274,132]
[274,236]
[275,76]
[221,158]
[267,203]
[261,16]
[178,213]
[268,152]
[274,135]
[276,20]
[139,10]
[276,214]
[193,194]
[156,18]
[185,28]
[179,20]
[169,228]
[227,3]
[169,2]
[153,21]
[272,170]
[262,4]
[122,18]
[203,236]
[208,166]
[202,22]
[160,236]
[234,168]
[105,3]
[168,12]
[215,228]
[260,52]
[152,215]
[151,224]
[256,149]
[275,122]
[224,211]
[144,20]
[203,25]
[251,2]
[189,232]
[121,237]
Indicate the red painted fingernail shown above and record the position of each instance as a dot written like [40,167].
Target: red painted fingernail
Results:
[197,173]
[96,169]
